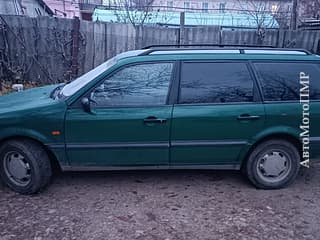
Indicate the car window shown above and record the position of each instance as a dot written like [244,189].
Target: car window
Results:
[215,83]
[83,80]
[281,81]
[80,82]
[143,84]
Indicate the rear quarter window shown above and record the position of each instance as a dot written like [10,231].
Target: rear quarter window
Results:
[280,81]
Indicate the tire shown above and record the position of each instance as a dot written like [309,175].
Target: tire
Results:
[24,166]
[273,164]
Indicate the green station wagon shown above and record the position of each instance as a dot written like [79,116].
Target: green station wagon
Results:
[167,108]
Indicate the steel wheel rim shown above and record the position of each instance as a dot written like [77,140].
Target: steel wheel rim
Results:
[274,166]
[17,168]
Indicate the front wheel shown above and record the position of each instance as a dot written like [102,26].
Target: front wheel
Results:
[273,164]
[24,166]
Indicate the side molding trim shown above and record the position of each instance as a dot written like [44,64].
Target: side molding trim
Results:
[315,139]
[209,143]
[160,144]
[111,145]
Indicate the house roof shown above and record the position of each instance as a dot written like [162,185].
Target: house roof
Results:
[45,7]
[10,7]
[13,7]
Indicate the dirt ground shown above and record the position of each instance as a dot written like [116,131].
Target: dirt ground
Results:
[163,205]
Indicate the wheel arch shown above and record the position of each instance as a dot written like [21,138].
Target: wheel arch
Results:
[52,156]
[292,138]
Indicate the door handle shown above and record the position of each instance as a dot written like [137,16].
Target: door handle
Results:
[154,120]
[248,117]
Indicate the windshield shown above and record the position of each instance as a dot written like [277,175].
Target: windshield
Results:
[80,82]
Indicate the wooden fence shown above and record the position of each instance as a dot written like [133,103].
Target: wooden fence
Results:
[49,50]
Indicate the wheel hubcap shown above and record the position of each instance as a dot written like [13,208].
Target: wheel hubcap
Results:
[17,168]
[274,166]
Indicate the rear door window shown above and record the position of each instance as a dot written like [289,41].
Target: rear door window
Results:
[215,82]
[281,81]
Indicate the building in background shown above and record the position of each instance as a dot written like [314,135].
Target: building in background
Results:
[64,8]
[87,8]
[309,9]
[193,19]
[213,6]
[309,14]
[281,10]
[223,5]
[31,8]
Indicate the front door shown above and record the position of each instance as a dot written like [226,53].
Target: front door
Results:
[129,123]
[217,114]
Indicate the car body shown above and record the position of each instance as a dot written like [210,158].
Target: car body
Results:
[163,108]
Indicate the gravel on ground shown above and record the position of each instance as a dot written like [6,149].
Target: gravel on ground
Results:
[163,205]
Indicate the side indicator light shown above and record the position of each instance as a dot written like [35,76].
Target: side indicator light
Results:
[55,133]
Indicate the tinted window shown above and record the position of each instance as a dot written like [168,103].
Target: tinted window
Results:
[215,83]
[281,81]
[145,84]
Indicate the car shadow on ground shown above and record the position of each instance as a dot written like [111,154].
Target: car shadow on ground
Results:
[152,176]
[181,177]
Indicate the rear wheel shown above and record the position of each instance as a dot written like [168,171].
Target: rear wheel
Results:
[273,164]
[24,166]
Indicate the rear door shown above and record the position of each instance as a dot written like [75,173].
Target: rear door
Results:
[130,121]
[281,88]
[218,112]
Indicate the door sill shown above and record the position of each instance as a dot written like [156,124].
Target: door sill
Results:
[124,168]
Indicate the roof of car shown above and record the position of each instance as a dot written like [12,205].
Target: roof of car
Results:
[226,52]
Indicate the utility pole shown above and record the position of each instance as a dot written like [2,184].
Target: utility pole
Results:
[294,15]
[64,5]
[182,25]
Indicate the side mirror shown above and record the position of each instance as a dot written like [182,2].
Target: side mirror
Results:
[86,104]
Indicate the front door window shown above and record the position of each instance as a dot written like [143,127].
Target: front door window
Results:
[137,85]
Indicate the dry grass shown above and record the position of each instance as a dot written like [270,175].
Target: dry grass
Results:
[5,89]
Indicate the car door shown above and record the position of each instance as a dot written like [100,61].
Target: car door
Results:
[286,87]
[129,122]
[218,112]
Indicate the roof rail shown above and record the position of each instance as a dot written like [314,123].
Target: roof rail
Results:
[242,48]
[205,45]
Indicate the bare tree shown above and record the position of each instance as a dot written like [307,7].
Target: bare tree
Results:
[309,8]
[259,13]
[283,16]
[136,12]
